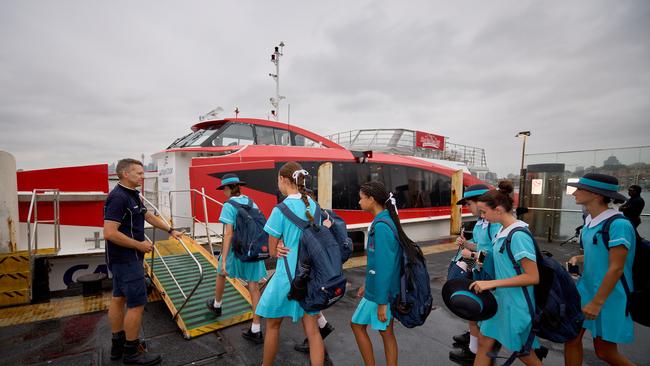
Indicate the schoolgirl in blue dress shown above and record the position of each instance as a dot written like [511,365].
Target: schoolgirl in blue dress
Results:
[600,286]
[229,265]
[512,323]
[382,273]
[284,238]
[481,241]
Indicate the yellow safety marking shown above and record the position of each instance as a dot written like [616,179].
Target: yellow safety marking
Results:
[221,324]
[14,281]
[361,261]
[58,308]
[15,262]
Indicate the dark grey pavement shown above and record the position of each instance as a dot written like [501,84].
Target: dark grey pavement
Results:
[84,339]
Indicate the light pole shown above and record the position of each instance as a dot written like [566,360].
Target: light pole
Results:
[275,101]
[522,175]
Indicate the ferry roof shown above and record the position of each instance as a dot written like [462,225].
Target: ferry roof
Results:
[266,123]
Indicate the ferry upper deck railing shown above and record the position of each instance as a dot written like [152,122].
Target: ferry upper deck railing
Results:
[162,260]
[403,142]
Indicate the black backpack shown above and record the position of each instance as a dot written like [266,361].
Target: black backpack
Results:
[340,231]
[250,241]
[319,281]
[638,301]
[413,304]
[557,313]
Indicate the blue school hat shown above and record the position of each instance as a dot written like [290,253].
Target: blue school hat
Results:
[466,303]
[229,179]
[474,190]
[602,184]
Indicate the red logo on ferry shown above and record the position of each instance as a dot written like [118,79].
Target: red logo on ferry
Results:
[429,140]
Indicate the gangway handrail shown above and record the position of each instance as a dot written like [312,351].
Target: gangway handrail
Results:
[198,264]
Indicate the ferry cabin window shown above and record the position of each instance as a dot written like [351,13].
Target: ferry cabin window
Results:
[235,134]
[300,140]
[264,135]
[200,137]
[412,187]
[282,137]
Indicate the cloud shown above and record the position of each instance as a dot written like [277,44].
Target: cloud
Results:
[93,82]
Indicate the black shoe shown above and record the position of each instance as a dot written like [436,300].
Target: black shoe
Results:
[257,338]
[138,355]
[304,346]
[541,352]
[210,305]
[461,338]
[326,330]
[117,345]
[462,355]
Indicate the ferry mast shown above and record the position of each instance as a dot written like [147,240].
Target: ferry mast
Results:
[275,101]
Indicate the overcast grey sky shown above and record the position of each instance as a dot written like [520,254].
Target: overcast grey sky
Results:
[85,82]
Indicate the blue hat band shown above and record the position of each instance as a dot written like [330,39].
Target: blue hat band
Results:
[233,180]
[470,295]
[475,193]
[597,184]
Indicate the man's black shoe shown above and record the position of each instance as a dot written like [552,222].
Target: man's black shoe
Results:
[304,346]
[257,338]
[117,345]
[210,304]
[463,355]
[137,355]
[461,338]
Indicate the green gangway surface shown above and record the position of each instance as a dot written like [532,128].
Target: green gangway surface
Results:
[195,318]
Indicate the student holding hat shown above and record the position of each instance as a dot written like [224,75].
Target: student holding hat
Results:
[601,288]
[231,266]
[512,323]
[481,242]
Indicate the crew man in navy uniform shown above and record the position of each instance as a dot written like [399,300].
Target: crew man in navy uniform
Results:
[124,217]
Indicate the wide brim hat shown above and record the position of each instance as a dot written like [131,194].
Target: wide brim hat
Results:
[229,179]
[602,184]
[474,190]
[467,304]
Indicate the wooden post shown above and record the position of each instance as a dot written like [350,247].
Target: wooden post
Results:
[456,195]
[325,172]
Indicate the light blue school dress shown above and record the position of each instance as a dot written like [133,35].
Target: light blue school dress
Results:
[382,274]
[512,323]
[612,324]
[483,235]
[247,271]
[274,302]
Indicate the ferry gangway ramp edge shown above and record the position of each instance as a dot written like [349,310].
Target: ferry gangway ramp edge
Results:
[185,273]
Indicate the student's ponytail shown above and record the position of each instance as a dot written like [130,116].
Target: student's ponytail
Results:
[296,174]
[378,192]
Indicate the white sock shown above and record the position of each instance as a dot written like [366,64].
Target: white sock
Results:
[255,328]
[473,344]
[217,304]
[322,322]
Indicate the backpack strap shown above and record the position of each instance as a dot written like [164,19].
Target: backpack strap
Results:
[526,348]
[302,224]
[604,232]
[246,206]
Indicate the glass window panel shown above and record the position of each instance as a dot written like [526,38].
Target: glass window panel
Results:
[265,135]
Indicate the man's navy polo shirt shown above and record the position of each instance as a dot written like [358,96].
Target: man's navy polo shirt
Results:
[124,205]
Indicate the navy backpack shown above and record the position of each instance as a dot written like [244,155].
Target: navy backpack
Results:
[638,300]
[250,241]
[319,281]
[556,312]
[340,231]
[413,304]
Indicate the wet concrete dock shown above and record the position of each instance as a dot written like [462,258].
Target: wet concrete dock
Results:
[84,339]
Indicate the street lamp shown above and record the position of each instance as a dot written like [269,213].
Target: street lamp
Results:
[522,175]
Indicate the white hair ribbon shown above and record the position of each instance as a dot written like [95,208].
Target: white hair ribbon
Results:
[297,173]
[392,201]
